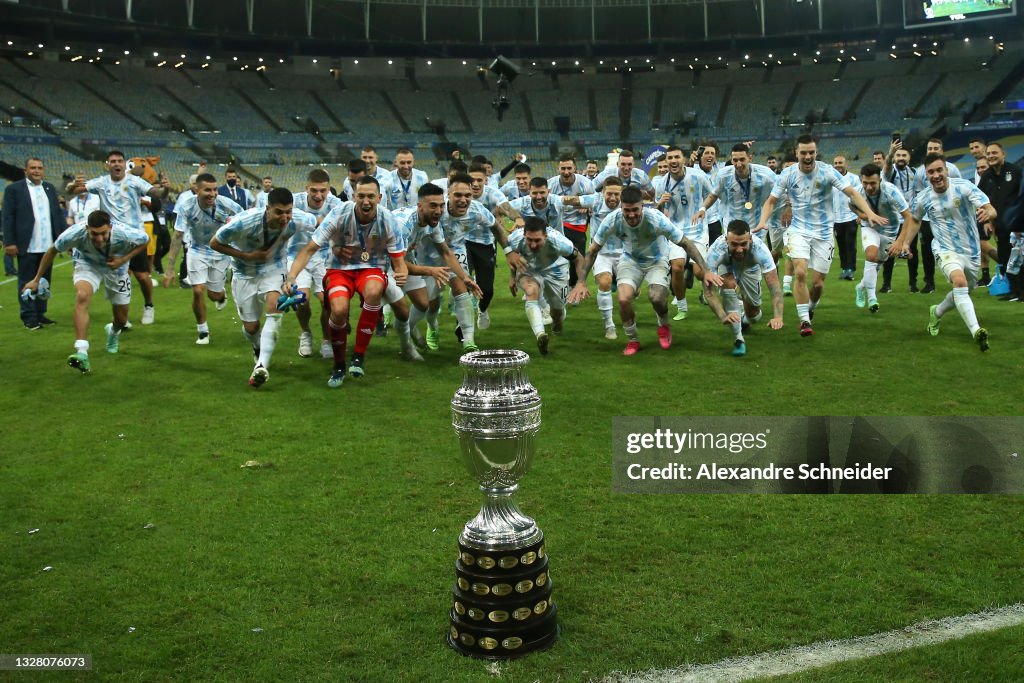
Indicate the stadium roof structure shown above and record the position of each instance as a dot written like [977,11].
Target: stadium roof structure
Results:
[456,28]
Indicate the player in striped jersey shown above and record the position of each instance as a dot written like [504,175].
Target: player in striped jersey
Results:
[627,173]
[569,183]
[364,241]
[421,230]
[886,200]
[199,218]
[546,255]
[103,249]
[645,234]
[680,195]
[606,264]
[809,186]
[925,254]
[742,259]
[456,167]
[369,156]
[405,181]
[256,240]
[318,201]
[120,195]
[951,205]
[480,244]
[519,186]
[541,203]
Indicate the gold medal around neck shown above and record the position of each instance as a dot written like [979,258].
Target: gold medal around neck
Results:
[748,206]
[364,257]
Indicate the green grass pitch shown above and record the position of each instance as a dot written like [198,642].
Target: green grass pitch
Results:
[946,9]
[335,561]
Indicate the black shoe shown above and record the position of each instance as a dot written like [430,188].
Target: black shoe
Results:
[356,367]
[458,333]
[46,321]
[1005,297]
[33,326]
[984,282]
[928,288]
[913,288]
[886,288]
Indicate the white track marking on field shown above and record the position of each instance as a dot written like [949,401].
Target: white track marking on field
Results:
[826,653]
[14,279]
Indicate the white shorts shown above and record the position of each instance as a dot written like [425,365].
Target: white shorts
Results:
[414,282]
[777,236]
[204,269]
[553,290]
[606,264]
[677,252]
[312,276]
[632,274]
[869,237]
[117,284]
[250,293]
[818,253]
[951,262]
[748,281]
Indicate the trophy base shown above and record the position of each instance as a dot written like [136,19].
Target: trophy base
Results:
[502,606]
[500,524]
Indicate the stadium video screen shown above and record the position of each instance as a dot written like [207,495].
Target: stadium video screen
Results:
[928,12]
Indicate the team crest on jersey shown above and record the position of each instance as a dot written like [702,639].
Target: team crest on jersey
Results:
[956,203]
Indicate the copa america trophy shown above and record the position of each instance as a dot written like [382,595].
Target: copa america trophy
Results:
[502,606]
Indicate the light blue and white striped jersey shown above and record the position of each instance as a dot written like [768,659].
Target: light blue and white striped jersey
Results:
[552,214]
[300,201]
[551,260]
[811,197]
[758,256]
[200,225]
[403,191]
[714,214]
[845,214]
[511,190]
[951,214]
[734,194]
[380,238]
[888,203]
[688,194]
[385,189]
[775,220]
[471,226]
[79,209]
[599,210]
[921,176]
[122,200]
[494,180]
[419,238]
[636,177]
[248,231]
[185,194]
[647,243]
[581,185]
[491,198]
[123,239]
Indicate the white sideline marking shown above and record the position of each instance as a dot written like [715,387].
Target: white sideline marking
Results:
[826,653]
[15,279]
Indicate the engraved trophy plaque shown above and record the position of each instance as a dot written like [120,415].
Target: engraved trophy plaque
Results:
[502,607]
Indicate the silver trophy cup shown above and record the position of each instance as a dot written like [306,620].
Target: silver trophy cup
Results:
[502,606]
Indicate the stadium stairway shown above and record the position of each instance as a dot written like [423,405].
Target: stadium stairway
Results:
[720,119]
[659,97]
[527,113]
[103,98]
[998,94]
[625,106]
[258,109]
[792,99]
[592,109]
[185,105]
[852,111]
[462,112]
[31,99]
[342,128]
[394,111]
[919,105]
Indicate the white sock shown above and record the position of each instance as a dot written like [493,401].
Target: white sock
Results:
[962,299]
[415,316]
[604,304]
[682,305]
[787,280]
[732,305]
[870,280]
[82,346]
[464,314]
[203,327]
[535,317]
[630,331]
[402,327]
[432,319]
[945,306]
[803,311]
[268,338]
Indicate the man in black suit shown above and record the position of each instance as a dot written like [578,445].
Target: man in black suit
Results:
[32,220]
[233,190]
